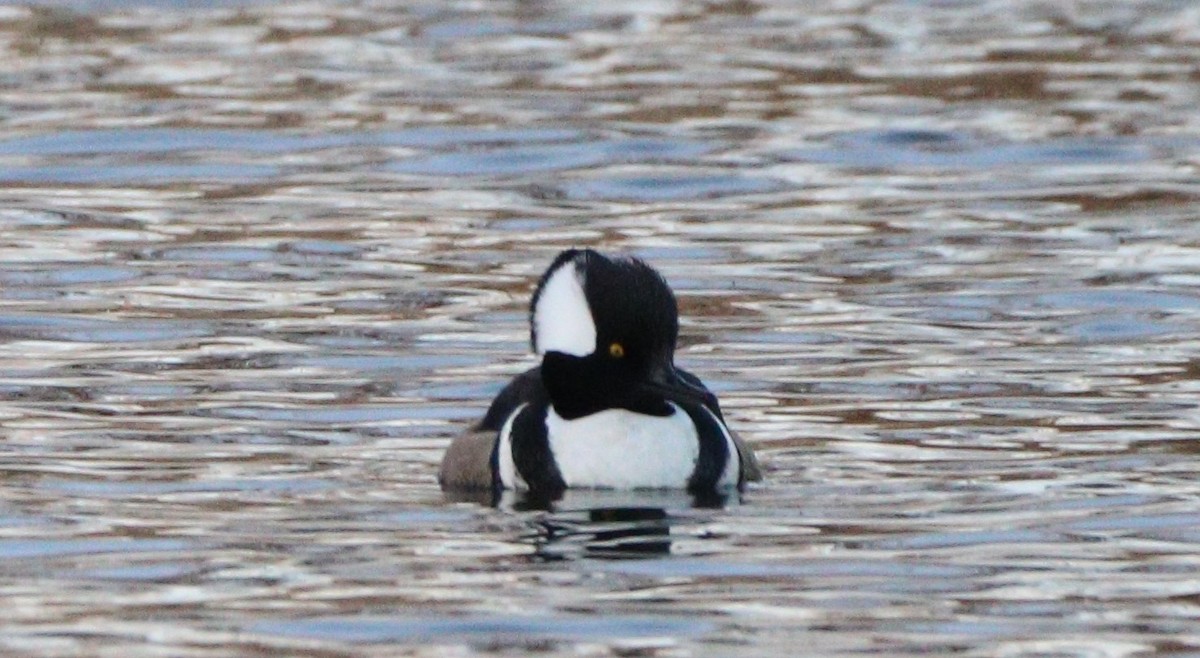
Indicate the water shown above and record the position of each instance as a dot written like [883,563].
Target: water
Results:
[259,261]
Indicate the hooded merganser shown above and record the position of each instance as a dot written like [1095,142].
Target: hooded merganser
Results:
[607,407]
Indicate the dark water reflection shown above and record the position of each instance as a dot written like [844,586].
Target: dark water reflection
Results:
[258,261]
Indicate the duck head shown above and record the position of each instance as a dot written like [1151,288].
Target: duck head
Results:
[605,329]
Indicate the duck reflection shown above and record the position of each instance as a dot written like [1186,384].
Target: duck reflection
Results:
[606,533]
[602,524]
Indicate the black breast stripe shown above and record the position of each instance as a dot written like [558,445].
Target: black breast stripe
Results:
[714,450]
[525,387]
[710,400]
[531,451]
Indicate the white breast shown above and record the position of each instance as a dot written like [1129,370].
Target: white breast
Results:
[620,449]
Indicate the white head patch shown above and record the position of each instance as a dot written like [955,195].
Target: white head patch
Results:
[562,319]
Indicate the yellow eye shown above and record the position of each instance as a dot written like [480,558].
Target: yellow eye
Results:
[616,350]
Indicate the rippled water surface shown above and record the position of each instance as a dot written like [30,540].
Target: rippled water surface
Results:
[259,261]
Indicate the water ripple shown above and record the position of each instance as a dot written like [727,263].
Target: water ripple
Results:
[259,261]
[502,629]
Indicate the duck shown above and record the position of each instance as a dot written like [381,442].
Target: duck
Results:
[606,407]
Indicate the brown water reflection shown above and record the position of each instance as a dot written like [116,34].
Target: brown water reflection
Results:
[259,261]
